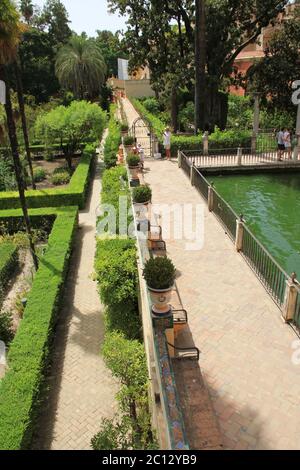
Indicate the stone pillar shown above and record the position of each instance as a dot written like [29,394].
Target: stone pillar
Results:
[179,158]
[192,174]
[290,299]
[239,234]
[210,200]
[239,156]
[205,143]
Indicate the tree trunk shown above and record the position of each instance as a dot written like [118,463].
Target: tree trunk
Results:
[174,109]
[200,66]
[23,117]
[17,164]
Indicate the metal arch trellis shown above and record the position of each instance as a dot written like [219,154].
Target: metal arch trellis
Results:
[142,132]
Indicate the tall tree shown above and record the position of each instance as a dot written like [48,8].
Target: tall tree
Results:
[274,74]
[27,10]
[231,26]
[10,33]
[23,118]
[55,20]
[111,49]
[80,67]
[200,65]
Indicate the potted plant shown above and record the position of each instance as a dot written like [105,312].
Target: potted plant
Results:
[133,162]
[124,129]
[142,195]
[159,274]
[128,141]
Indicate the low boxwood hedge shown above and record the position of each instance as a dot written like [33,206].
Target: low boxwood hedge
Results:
[29,351]
[8,265]
[74,195]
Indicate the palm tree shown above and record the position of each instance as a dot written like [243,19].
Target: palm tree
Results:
[10,33]
[80,67]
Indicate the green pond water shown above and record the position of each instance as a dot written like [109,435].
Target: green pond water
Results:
[271,206]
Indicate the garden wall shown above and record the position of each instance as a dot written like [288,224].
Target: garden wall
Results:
[30,350]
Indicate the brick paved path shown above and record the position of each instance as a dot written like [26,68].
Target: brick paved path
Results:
[246,350]
[81,387]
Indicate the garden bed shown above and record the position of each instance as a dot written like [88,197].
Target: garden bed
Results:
[73,195]
[30,350]
[50,168]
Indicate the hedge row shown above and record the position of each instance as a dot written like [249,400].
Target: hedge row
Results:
[231,139]
[113,139]
[74,195]
[8,265]
[29,351]
[116,272]
[115,186]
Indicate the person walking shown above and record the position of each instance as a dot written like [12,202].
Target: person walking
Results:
[280,142]
[167,142]
[287,139]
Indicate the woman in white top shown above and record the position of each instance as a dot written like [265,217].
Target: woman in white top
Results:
[167,142]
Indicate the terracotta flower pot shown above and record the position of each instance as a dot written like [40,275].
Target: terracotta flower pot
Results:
[133,170]
[160,299]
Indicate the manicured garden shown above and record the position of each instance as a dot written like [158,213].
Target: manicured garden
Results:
[29,351]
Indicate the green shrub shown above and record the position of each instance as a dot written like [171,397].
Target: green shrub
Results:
[74,195]
[63,177]
[7,175]
[133,161]
[124,127]
[115,186]
[8,264]
[132,430]
[159,273]
[6,327]
[39,174]
[142,194]
[29,351]
[128,140]
[116,274]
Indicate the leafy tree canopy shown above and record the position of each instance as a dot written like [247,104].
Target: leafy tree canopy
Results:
[71,125]
[273,76]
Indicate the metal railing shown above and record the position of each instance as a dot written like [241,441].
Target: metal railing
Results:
[265,267]
[186,165]
[270,273]
[225,214]
[201,183]
[233,157]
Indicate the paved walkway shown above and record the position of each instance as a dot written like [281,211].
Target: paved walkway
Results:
[81,388]
[246,349]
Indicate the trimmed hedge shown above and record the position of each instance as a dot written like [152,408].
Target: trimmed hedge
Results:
[117,277]
[113,189]
[74,195]
[113,139]
[8,265]
[29,351]
[231,139]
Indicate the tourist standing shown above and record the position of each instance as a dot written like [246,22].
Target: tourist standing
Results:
[280,142]
[141,152]
[167,142]
[287,139]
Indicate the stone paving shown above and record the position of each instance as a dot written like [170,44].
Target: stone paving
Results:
[246,349]
[81,388]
